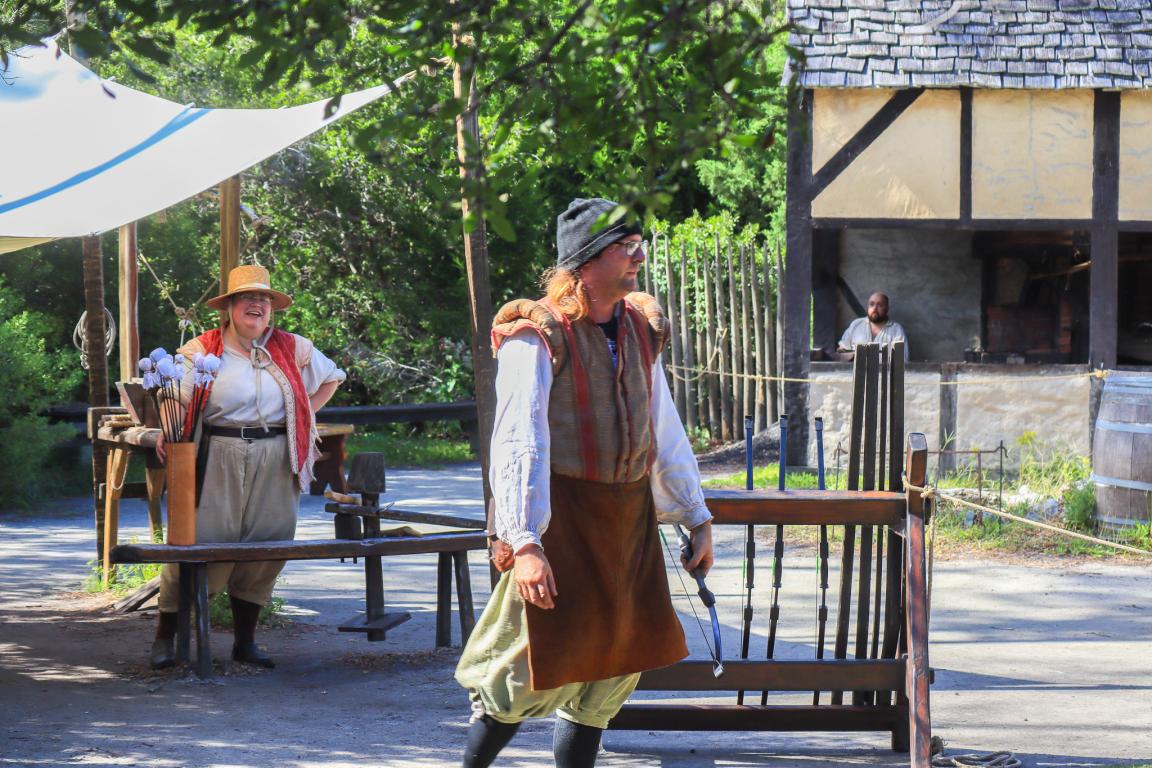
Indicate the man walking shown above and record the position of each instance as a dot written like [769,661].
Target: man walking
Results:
[587,453]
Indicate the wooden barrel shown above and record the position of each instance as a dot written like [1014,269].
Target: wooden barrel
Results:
[1122,453]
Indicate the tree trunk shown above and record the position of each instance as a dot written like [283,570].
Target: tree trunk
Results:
[469,156]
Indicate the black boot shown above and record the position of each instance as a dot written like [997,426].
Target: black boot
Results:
[486,737]
[575,745]
[163,654]
[245,615]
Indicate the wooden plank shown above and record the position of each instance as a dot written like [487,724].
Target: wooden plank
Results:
[761,368]
[871,354]
[687,376]
[796,289]
[747,336]
[319,549]
[700,717]
[917,670]
[896,418]
[723,350]
[1104,240]
[117,469]
[464,595]
[401,413]
[676,348]
[975,225]
[776,675]
[390,513]
[803,507]
[127,287]
[711,353]
[948,409]
[868,133]
[444,600]
[966,154]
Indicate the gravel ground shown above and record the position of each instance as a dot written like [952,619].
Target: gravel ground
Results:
[1048,658]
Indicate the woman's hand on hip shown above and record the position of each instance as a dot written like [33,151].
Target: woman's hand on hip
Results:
[534,579]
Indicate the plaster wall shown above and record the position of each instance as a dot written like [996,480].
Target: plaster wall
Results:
[831,399]
[1136,156]
[1002,403]
[911,171]
[1032,154]
[993,403]
[931,279]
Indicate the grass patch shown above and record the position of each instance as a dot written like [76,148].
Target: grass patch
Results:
[768,477]
[404,446]
[220,612]
[128,577]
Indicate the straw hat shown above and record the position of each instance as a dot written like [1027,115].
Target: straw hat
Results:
[250,278]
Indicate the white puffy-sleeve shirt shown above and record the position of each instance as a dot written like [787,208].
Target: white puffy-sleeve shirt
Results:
[521,460]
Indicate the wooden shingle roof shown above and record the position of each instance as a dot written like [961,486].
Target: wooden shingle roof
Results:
[1044,44]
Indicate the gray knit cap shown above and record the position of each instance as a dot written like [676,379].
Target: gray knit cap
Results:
[576,243]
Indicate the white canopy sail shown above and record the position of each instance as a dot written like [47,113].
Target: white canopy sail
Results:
[80,155]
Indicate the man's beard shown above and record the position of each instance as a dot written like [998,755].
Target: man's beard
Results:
[877,318]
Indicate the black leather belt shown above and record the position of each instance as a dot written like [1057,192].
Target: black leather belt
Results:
[247,433]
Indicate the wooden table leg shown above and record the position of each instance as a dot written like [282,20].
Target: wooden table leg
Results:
[444,600]
[203,643]
[113,487]
[154,479]
[464,595]
[184,614]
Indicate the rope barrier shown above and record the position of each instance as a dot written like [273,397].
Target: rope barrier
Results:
[930,492]
[993,760]
[700,372]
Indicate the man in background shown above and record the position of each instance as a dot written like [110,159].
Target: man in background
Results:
[875,328]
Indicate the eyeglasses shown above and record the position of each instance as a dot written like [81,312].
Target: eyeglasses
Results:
[254,298]
[631,246]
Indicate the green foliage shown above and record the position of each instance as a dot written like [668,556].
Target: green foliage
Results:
[220,612]
[31,379]
[768,477]
[628,95]
[1050,471]
[1080,508]
[128,577]
[404,447]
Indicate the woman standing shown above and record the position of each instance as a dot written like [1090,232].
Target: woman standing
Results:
[259,435]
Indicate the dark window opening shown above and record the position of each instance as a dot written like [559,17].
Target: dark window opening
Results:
[1034,297]
[1134,300]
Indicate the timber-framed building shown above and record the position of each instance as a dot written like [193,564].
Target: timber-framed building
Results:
[988,164]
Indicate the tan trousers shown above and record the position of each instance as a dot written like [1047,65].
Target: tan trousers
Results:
[249,494]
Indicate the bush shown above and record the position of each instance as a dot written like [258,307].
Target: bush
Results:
[31,379]
[1080,508]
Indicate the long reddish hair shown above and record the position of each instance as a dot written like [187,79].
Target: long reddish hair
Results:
[566,291]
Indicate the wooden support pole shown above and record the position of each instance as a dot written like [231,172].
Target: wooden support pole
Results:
[129,292]
[1104,280]
[796,288]
[229,228]
[917,670]
[687,375]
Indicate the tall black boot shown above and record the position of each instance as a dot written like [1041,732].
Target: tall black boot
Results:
[575,745]
[245,615]
[486,737]
[163,653]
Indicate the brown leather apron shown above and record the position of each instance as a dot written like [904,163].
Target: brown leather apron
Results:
[613,615]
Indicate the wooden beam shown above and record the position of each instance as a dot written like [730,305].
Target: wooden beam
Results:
[948,411]
[974,225]
[129,291]
[773,507]
[917,671]
[320,549]
[776,675]
[863,139]
[1104,280]
[229,230]
[732,717]
[966,154]
[796,292]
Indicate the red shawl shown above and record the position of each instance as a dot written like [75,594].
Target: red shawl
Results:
[282,347]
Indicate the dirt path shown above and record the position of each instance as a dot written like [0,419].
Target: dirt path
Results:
[1052,662]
